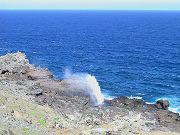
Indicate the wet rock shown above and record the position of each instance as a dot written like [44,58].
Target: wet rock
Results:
[162,104]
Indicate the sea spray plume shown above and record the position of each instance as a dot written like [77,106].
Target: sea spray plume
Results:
[87,83]
[67,73]
[95,89]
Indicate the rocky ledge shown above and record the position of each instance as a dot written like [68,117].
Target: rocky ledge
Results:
[33,102]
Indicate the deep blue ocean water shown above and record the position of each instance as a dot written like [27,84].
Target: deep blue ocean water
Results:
[131,53]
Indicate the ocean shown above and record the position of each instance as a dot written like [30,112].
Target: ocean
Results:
[131,53]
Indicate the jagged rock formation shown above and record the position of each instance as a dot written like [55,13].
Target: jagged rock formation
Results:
[14,64]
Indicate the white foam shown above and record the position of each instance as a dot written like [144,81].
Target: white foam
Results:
[108,97]
[134,97]
[176,110]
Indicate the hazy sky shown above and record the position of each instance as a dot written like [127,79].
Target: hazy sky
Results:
[92,4]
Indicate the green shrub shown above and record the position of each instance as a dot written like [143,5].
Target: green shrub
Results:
[42,122]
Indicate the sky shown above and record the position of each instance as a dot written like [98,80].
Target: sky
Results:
[92,4]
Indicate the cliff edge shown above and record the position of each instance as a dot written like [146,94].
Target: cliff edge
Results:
[33,102]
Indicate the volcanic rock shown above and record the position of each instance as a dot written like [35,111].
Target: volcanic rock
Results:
[125,101]
[162,104]
[14,64]
[74,113]
[34,74]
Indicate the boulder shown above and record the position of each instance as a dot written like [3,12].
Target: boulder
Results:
[162,104]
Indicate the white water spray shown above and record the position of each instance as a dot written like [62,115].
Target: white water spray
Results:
[87,83]
[95,89]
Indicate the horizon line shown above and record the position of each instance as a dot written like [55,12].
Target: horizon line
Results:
[92,9]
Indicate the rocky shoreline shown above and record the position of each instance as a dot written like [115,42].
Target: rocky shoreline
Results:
[33,102]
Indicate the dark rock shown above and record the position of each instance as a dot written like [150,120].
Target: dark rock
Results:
[125,101]
[162,104]
[4,71]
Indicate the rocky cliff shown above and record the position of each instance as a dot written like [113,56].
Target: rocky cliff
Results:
[32,102]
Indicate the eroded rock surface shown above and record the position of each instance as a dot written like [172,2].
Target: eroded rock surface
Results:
[14,64]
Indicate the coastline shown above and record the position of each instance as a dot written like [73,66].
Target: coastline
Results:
[74,110]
